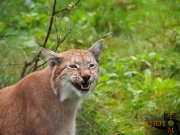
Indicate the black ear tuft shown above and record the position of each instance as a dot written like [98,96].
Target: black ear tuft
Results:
[107,35]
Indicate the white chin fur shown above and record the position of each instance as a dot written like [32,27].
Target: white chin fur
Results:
[68,91]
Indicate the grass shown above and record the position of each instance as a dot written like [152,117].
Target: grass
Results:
[139,64]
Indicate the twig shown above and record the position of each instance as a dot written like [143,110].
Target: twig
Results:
[26,64]
[42,64]
[11,35]
[30,70]
[50,25]
[57,36]
[66,8]
[11,64]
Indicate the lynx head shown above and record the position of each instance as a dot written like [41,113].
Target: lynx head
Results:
[75,73]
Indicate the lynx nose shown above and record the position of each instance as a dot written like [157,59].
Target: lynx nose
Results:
[86,77]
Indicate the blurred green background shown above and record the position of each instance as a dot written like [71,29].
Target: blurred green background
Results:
[140,66]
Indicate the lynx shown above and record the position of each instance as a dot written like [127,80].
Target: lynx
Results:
[46,102]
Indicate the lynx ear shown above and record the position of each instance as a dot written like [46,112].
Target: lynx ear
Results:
[96,49]
[51,57]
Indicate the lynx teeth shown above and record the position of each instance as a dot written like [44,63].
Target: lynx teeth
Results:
[81,86]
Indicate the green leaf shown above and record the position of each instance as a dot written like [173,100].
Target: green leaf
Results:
[147,81]
[152,54]
[103,71]
[109,82]
[81,15]
[170,84]
[119,67]
[2,25]
[30,44]
[113,75]
[73,18]
[151,104]
[147,63]
[2,30]
[94,17]
[147,73]
[104,78]
[130,73]
[158,82]
[139,84]
[133,57]
[112,102]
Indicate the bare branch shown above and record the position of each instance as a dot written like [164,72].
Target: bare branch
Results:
[26,64]
[11,64]
[30,70]
[11,35]
[42,64]
[57,36]
[50,25]
[66,8]
[36,60]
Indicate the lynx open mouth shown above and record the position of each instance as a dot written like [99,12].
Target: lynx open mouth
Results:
[81,86]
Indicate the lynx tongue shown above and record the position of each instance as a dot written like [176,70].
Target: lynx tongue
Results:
[81,86]
[85,86]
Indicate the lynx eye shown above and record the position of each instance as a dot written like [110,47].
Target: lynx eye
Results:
[73,66]
[91,65]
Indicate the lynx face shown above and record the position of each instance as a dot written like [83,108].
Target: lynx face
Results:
[75,73]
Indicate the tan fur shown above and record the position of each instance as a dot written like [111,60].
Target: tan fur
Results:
[45,102]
